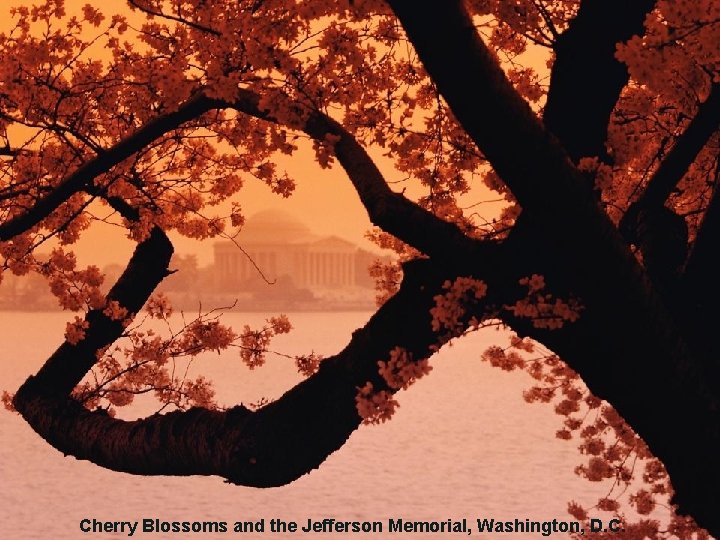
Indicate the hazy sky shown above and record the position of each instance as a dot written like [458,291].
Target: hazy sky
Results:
[323,199]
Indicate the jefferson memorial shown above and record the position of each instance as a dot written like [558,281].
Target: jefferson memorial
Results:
[281,247]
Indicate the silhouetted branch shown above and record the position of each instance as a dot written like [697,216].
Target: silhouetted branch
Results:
[679,159]
[701,272]
[174,18]
[391,211]
[659,233]
[69,363]
[702,267]
[271,446]
[9,152]
[105,161]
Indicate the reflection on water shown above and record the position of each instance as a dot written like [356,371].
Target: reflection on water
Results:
[462,444]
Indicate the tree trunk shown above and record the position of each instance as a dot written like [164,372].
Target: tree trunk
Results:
[626,346]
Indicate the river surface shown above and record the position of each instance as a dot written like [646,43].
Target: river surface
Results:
[463,444]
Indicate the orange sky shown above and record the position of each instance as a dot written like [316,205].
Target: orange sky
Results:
[324,199]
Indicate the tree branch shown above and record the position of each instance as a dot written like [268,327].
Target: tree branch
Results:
[392,212]
[702,267]
[494,115]
[389,210]
[174,18]
[293,435]
[659,233]
[69,363]
[84,176]
[268,447]
[678,160]
[698,282]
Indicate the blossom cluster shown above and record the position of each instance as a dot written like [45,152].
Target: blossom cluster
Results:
[451,306]
[613,452]
[254,343]
[544,310]
[307,364]
[373,406]
[400,371]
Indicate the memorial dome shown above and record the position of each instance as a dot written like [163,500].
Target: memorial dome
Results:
[275,227]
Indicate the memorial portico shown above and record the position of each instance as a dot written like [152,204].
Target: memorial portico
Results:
[275,244]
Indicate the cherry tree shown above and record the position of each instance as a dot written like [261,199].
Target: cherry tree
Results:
[602,257]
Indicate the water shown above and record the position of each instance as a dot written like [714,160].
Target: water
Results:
[462,444]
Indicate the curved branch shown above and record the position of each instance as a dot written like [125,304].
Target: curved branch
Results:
[268,447]
[289,437]
[388,210]
[69,363]
[392,212]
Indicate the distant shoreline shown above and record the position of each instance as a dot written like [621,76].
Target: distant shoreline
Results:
[257,308]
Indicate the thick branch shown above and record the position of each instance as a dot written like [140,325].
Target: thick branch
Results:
[586,79]
[293,435]
[698,285]
[619,353]
[526,156]
[84,176]
[269,447]
[69,363]
[676,164]
[703,266]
